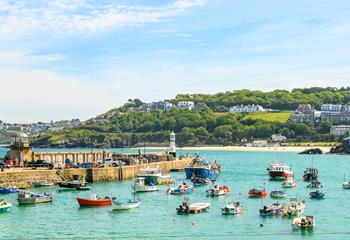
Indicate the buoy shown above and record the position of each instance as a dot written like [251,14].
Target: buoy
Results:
[193,224]
[261,225]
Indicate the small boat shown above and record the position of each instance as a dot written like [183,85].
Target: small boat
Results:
[304,222]
[181,189]
[293,208]
[317,195]
[125,205]
[346,185]
[289,183]
[42,184]
[140,185]
[154,175]
[74,185]
[13,189]
[83,187]
[272,209]
[186,207]
[278,194]
[94,201]
[311,174]
[279,171]
[255,193]
[26,197]
[200,181]
[232,208]
[4,206]
[203,169]
[315,184]
[218,190]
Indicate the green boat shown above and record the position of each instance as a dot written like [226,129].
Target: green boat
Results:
[4,206]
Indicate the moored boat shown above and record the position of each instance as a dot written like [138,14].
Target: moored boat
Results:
[317,194]
[186,207]
[346,185]
[126,204]
[311,174]
[232,208]
[4,190]
[26,197]
[304,222]
[203,169]
[94,201]
[141,186]
[154,175]
[279,171]
[270,210]
[315,184]
[200,181]
[278,193]
[4,206]
[218,190]
[42,184]
[181,189]
[293,208]
[256,193]
[289,183]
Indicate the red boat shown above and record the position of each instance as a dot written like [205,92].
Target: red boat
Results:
[257,193]
[279,171]
[94,201]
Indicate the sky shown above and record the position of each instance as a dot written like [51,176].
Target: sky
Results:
[67,59]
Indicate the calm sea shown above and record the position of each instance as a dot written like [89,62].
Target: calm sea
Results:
[157,218]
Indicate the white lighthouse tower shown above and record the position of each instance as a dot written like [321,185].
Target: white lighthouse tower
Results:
[172,146]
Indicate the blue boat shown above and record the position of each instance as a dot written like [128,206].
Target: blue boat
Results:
[203,169]
[8,190]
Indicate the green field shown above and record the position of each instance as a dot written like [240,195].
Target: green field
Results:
[281,117]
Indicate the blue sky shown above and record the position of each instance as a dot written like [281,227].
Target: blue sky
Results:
[68,59]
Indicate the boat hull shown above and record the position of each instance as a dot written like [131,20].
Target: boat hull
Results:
[194,208]
[94,203]
[126,206]
[34,200]
[142,188]
[201,172]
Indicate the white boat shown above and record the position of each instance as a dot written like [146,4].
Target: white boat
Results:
[42,184]
[186,207]
[25,197]
[4,206]
[304,222]
[346,185]
[232,208]
[126,204]
[293,208]
[140,185]
[217,190]
[154,175]
[289,183]
[279,171]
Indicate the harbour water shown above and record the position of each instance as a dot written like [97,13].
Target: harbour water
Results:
[157,218]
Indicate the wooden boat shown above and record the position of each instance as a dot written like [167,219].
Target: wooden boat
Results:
[42,184]
[232,208]
[217,190]
[140,186]
[94,201]
[200,181]
[304,222]
[315,184]
[26,197]
[75,184]
[289,183]
[181,189]
[293,208]
[4,206]
[311,174]
[317,195]
[278,171]
[5,190]
[278,193]
[272,209]
[186,207]
[256,193]
[125,205]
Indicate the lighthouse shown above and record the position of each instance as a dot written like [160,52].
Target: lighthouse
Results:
[172,146]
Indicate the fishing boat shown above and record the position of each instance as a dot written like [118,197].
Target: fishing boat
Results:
[126,204]
[42,184]
[293,208]
[200,181]
[4,206]
[186,207]
[289,183]
[346,183]
[154,175]
[311,174]
[317,195]
[181,189]
[315,184]
[256,193]
[83,187]
[13,189]
[94,201]
[217,190]
[278,193]
[141,186]
[26,197]
[203,169]
[270,210]
[232,208]
[304,222]
[279,171]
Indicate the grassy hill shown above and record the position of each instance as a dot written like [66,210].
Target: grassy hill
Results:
[280,117]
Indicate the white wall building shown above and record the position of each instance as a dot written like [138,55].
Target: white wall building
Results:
[278,138]
[331,107]
[186,105]
[257,143]
[247,108]
[339,130]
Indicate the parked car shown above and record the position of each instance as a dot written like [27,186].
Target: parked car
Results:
[4,165]
[114,162]
[39,163]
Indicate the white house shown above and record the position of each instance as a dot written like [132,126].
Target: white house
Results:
[247,108]
[331,107]
[339,130]
[278,138]
[186,105]
[257,143]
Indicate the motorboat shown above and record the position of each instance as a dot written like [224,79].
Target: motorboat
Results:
[74,185]
[4,190]
[203,169]
[315,184]
[232,208]
[181,189]
[256,193]
[270,210]
[311,174]
[186,207]
[317,195]
[154,175]
[304,222]
[83,187]
[293,208]
[94,201]
[5,206]
[278,193]
[26,197]
[141,186]
[346,185]
[42,184]
[217,190]
[279,171]
[289,183]
[125,205]
[200,181]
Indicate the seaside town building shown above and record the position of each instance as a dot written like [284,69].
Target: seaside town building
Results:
[278,138]
[186,105]
[339,129]
[247,108]
[304,113]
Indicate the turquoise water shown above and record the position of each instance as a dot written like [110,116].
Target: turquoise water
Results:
[157,218]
